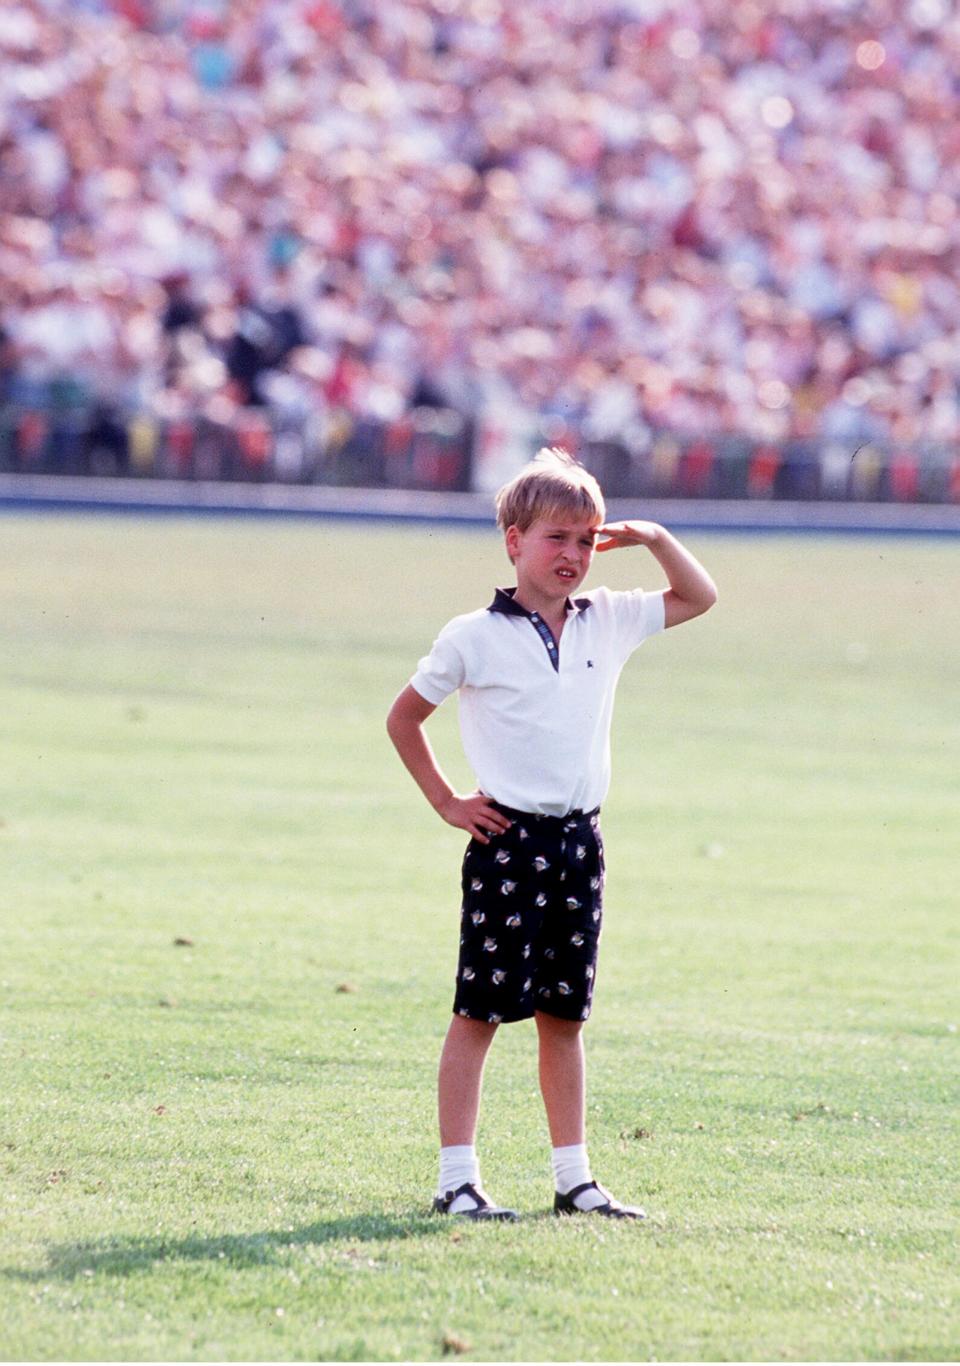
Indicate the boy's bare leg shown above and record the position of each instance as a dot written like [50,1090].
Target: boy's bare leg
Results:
[459,1085]
[461,1079]
[563,1082]
[563,1078]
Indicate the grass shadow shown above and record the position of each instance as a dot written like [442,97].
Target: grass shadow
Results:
[121,1256]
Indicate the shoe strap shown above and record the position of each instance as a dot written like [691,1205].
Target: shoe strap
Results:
[591,1186]
[468,1188]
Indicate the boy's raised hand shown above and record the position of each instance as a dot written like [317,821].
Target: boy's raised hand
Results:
[691,591]
[475,814]
[616,535]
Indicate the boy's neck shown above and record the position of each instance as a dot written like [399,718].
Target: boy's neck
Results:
[551,610]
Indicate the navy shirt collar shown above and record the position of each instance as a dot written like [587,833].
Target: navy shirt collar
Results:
[503,601]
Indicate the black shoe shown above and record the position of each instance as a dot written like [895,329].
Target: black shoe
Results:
[482,1208]
[612,1209]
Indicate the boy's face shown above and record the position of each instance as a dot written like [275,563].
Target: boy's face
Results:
[552,556]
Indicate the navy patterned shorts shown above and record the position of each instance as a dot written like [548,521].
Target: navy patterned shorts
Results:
[531,917]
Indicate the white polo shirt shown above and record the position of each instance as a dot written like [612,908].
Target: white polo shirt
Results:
[534,714]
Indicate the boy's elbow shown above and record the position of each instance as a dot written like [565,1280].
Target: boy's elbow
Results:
[704,600]
[394,722]
[409,711]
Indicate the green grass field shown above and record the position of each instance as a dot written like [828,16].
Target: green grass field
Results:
[212,1151]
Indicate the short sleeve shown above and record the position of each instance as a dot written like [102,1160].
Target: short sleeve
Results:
[441,672]
[638,614]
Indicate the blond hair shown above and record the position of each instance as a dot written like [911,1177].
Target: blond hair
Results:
[552,484]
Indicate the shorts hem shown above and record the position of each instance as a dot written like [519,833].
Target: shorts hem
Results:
[485,1018]
[576,1016]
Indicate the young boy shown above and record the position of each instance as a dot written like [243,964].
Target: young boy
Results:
[536,673]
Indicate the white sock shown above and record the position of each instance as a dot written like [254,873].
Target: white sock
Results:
[458,1165]
[571,1168]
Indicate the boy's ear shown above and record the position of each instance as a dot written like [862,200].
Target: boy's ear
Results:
[511,539]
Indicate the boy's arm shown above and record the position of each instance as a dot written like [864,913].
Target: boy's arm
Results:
[473,813]
[691,592]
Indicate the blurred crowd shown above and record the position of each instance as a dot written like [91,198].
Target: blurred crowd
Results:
[623,217]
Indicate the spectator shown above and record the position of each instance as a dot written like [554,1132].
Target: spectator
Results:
[712,217]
